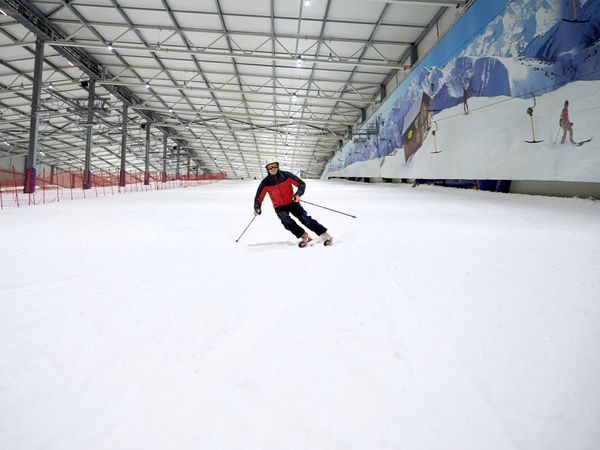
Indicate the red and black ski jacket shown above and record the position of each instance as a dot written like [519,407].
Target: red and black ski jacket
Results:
[279,187]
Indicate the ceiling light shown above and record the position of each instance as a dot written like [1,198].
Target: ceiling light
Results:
[307,2]
[294,97]
[147,85]
[109,46]
[299,61]
[50,86]
[330,57]
[3,13]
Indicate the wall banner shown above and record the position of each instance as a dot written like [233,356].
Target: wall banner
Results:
[512,91]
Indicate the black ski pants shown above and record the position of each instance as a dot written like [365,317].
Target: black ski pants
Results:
[283,212]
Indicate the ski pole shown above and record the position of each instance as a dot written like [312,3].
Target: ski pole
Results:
[557,134]
[245,229]
[324,207]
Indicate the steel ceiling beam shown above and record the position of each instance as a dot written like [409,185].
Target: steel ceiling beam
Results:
[35,21]
[457,3]
[396,24]
[233,32]
[188,45]
[338,61]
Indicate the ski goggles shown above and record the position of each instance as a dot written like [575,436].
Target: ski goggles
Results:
[274,165]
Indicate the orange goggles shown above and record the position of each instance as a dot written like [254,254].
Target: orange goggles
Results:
[274,165]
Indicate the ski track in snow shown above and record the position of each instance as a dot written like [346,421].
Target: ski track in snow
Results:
[439,319]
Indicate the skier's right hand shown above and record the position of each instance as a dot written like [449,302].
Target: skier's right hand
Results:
[257,211]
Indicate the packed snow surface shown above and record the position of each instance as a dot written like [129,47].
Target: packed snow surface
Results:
[439,319]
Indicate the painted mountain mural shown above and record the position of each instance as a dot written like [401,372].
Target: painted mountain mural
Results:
[522,48]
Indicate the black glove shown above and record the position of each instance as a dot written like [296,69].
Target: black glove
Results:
[257,211]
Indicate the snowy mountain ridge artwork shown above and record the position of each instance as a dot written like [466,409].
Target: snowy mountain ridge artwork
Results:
[520,52]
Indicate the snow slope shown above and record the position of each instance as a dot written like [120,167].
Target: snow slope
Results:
[439,319]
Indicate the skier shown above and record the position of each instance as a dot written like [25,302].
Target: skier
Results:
[278,184]
[566,124]
[465,99]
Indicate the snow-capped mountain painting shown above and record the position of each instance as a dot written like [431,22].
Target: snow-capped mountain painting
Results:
[503,51]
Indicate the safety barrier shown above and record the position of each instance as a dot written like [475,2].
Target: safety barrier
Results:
[58,186]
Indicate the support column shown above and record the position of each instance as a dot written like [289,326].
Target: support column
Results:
[177,174]
[34,127]
[147,157]
[87,172]
[189,169]
[197,169]
[414,54]
[123,173]
[164,169]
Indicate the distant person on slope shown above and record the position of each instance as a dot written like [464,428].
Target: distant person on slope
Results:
[278,184]
[566,124]
[466,99]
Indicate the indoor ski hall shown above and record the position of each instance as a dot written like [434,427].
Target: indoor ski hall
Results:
[299,224]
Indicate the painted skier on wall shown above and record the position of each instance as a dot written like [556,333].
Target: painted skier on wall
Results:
[566,123]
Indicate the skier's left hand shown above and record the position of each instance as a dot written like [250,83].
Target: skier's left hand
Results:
[296,198]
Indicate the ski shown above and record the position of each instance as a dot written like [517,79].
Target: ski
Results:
[580,143]
[575,21]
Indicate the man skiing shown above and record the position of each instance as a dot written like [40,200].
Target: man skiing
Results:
[278,184]
[566,124]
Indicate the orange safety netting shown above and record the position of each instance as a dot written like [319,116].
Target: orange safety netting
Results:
[56,186]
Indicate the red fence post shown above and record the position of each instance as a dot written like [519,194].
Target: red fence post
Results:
[72,182]
[112,189]
[16,190]
[1,203]
[44,186]
[83,183]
